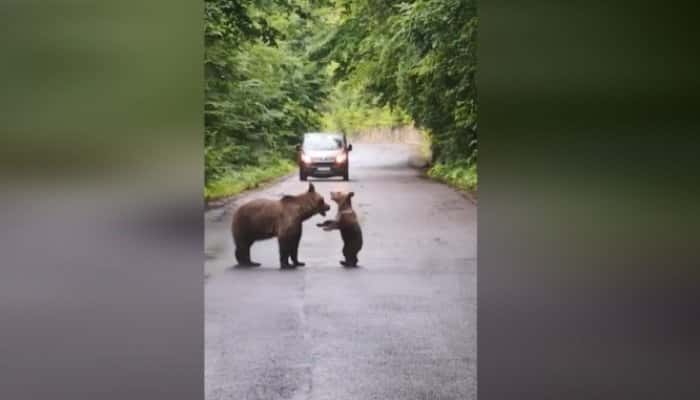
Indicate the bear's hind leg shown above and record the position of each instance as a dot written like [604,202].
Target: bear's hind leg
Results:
[243,255]
[285,253]
[349,262]
[350,258]
[294,251]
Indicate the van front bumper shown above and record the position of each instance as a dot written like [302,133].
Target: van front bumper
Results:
[323,169]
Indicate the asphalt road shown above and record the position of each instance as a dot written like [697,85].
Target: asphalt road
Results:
[402,326]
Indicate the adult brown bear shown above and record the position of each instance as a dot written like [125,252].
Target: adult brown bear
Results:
[264,219]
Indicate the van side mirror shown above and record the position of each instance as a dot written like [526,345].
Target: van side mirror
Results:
[349,147]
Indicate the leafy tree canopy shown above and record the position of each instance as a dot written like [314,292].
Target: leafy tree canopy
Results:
[277,68]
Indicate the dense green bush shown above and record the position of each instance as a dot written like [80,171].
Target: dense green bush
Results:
[262,92]
[248,177]
[348,110]
[459,174]
[415,55]
[277,68]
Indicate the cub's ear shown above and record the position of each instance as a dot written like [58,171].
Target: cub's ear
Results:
[311,188]
[351,194]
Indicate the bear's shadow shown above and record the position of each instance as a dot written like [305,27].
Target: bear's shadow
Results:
[260,268]
[263,268]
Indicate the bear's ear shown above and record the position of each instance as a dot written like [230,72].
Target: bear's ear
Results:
[351,194]
[311,188]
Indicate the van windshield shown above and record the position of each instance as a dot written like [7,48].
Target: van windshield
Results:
[323,142]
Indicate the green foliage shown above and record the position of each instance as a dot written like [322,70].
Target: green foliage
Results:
[235,181]
[418,56]
[275,69]
[462,175]
[349,111]
[262,92]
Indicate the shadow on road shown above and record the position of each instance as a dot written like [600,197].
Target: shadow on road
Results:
[262,268]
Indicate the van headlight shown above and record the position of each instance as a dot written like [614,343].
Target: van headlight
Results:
[341,158]
[306,159]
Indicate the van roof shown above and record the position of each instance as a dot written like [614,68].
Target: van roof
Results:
[324,133]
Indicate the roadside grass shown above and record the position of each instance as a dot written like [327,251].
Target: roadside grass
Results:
[236,181]
[459,175]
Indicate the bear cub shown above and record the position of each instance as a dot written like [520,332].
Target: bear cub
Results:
[264,219]
[346,222]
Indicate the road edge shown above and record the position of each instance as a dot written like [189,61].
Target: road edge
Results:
[226,200]
[421,162]
[467,194]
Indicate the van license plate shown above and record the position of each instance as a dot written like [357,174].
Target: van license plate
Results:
[324,169]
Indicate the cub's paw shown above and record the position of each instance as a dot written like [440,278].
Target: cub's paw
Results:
[299,264]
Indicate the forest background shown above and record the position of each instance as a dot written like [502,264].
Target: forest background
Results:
[275,69]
